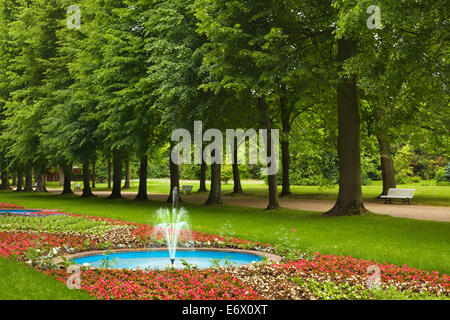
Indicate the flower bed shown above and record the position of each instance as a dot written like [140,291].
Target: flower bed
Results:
[296,279]
[314,276]
[18,243]
[163,285]
[6,206]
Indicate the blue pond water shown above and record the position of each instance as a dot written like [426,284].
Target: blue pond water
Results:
[161,259]
[19,212]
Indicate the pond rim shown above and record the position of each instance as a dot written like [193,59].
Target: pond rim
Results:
[269,256]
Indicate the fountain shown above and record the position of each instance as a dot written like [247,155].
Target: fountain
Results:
[171,223]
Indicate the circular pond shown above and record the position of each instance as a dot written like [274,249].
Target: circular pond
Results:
[159,260]
[24,213]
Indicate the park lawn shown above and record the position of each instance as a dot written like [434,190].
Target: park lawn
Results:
[19,282]
[426,193]
[421,244]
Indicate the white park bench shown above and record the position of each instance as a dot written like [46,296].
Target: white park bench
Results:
[77,187]
[186,190]
[405,194]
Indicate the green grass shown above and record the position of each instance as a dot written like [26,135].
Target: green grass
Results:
[426,192]
[19,282]
[422,244]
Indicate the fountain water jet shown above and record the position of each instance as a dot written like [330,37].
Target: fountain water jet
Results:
[171,224]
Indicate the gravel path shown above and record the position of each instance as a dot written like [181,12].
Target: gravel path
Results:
[419,212]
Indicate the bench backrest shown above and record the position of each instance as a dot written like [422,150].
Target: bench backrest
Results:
[406,193]
[187,188]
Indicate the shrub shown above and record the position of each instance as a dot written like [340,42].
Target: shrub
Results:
[190,172]
[442,179]
[415,179]
[227,173]
[402,162]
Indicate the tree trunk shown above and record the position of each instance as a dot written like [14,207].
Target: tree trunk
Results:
[272,179]
[87,192]
[61,177]
[40,181]
[127,175]
[117,177]
[203,178]
[349,200]
[142,194]
[285,152]
[215,194]
[109,173]
[19,181]
[14,181]
[174,177]
[286,162]
[387,166]
[93,174]
[28,180]
[5,181]
[236,177]
[67,173]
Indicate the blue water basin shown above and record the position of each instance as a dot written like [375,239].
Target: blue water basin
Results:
[19,212]
[160,260]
